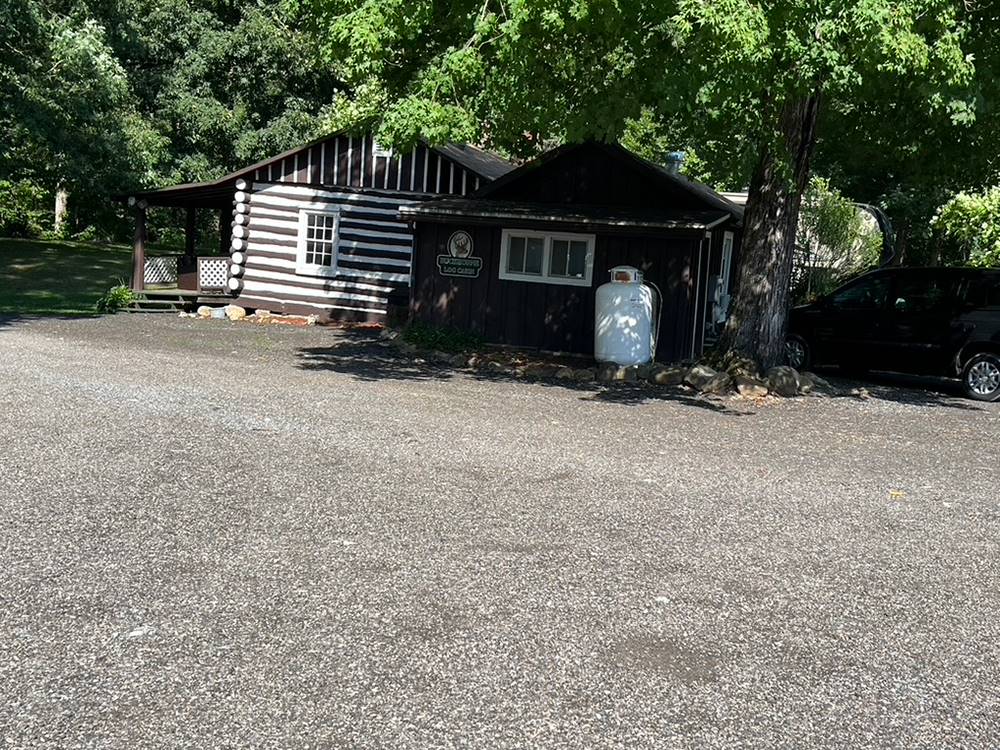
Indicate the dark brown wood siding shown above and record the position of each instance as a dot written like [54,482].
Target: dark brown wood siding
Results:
[589,177]
[557,317]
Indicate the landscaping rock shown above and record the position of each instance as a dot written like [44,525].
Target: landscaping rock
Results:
[407,348]
[540,370]
[743,366]
[388,334]
[262,314]
[584,374]
[699,375]
[566,373]
[501,368]
[668,375]
[457,360]
[718,384]
[810,382]
[750,387]
[235,312]
[608,372]
[642,371]
[204,311]
[783,381]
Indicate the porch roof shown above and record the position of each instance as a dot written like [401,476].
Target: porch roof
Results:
[217,194]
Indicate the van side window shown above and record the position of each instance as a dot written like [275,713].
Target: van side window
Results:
[920,293]
[984,292]
[865,294]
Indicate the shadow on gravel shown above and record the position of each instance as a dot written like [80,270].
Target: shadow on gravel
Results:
[365,357]
[910,390]
[635,394]
[9,320]
[368,359]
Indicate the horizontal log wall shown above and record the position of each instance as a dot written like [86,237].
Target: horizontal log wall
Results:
[349,161]
[373,253]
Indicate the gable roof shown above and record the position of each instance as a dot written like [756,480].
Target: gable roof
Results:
[704,194]
[219,192]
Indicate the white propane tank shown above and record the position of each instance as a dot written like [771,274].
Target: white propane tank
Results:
[623,324]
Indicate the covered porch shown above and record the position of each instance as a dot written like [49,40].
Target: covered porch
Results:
[188,275]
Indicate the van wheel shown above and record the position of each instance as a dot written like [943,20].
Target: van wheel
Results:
[796,352]
[981,377]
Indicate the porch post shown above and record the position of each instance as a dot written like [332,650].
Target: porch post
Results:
[139,248]
[190,230]
[225,231]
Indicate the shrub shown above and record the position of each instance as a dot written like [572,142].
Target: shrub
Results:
[115,299]
[835,241]
[88,234]
[968,229]
[22,209]
[441,338]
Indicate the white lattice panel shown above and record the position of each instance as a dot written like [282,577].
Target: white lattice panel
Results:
[161,270]
[213,272]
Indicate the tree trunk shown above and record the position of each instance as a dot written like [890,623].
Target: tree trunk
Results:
[759,312]
[61,209]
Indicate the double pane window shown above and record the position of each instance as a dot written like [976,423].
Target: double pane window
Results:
[542,257]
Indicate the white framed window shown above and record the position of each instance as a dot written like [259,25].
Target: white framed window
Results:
[317,242]
[546,257]
[379,150]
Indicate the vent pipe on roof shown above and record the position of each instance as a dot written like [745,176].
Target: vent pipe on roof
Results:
[674,160]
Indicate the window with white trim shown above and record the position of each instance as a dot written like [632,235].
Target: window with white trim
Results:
[317,244]
[546,257]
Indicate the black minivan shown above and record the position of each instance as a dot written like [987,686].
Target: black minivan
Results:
[928,321]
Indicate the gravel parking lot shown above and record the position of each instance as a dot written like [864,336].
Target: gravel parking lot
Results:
[221,535]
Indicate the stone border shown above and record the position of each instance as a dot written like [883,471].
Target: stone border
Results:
[740,379]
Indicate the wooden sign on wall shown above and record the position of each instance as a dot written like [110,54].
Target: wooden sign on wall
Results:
[459,260]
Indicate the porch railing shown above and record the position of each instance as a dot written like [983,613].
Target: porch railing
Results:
[204,274]
[161,270]
[213,273]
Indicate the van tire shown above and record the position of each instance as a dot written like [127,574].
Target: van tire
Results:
[981,377]
[797,352]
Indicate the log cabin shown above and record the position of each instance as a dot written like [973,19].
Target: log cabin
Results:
[518,262]
[314,230]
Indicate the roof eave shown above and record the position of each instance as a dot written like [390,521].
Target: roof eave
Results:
[424,212]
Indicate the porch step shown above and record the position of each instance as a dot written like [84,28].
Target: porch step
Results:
[173,300]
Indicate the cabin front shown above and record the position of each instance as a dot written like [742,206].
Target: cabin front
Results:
[518,262]
[315,230]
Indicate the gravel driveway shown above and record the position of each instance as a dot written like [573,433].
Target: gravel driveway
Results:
[217,535]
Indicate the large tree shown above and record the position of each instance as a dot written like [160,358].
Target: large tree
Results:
[102,96]
[750,75]
[67,119]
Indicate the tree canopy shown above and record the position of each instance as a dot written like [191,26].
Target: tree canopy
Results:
[102,97]
[748,83]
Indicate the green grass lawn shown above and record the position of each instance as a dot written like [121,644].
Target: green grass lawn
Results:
[58,278]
